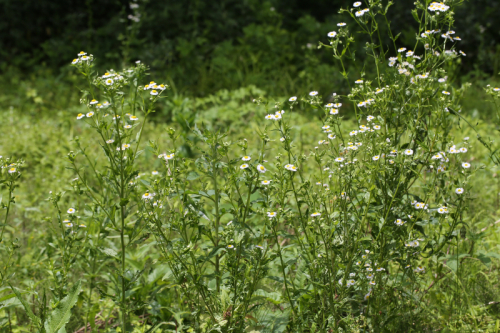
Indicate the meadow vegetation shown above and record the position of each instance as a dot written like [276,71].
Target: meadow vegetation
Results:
[369,205]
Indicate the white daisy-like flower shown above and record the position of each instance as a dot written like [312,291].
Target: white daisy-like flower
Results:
[12,170]
[399,222]
[71,211]
[90,114]
[74,62]
[291,167]
[265,182]
[334,111]
[376,127]
[282,139]
[376,157]
[358,81]
[339,159]
[261,168]
[465,165]
[496,89]
[154,92]
[127,126]
[459,190]
[230,246]
[110,141]
[445,92]
[442,210]
[68,224]
[147,196]
[341,24]
[269,117]
[408,152]
[80,116]
[315,214]
[271,214]
[246,158]
[357,4]
[332,34]
[85,58]
[244,166]
[134,118]
[292,99]
[420,205]
[92,102]
[331,136]
[169,157]
[353,133]
[313,93]
[109,82]
[419,269]
[402,49]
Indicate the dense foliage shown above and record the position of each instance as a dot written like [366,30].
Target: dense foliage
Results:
[248,213]
[204,46]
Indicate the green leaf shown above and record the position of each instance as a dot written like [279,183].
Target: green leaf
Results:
[6,297]
[192,176]
[60,316]
[26,306]
[109,252]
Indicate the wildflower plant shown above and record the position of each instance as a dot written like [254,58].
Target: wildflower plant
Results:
[355,225]
[117,105]
[10,177]
[351,234]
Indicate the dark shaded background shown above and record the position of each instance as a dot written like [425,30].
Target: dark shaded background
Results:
[203,46]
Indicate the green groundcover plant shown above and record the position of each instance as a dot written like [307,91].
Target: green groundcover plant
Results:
[350,236]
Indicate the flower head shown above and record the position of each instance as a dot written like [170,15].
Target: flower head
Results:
[71,211]
[261,168]
[399,222]
[147,196]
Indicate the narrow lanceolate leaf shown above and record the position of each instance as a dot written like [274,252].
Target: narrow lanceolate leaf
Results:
[27,308]
[60,316]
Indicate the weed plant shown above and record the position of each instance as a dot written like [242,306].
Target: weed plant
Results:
[370,228]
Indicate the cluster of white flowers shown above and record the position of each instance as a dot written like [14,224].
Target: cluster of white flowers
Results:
[438,6]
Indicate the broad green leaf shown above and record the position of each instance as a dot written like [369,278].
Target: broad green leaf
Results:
[26,306]
[109,252]
[60,316]
[192,176]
